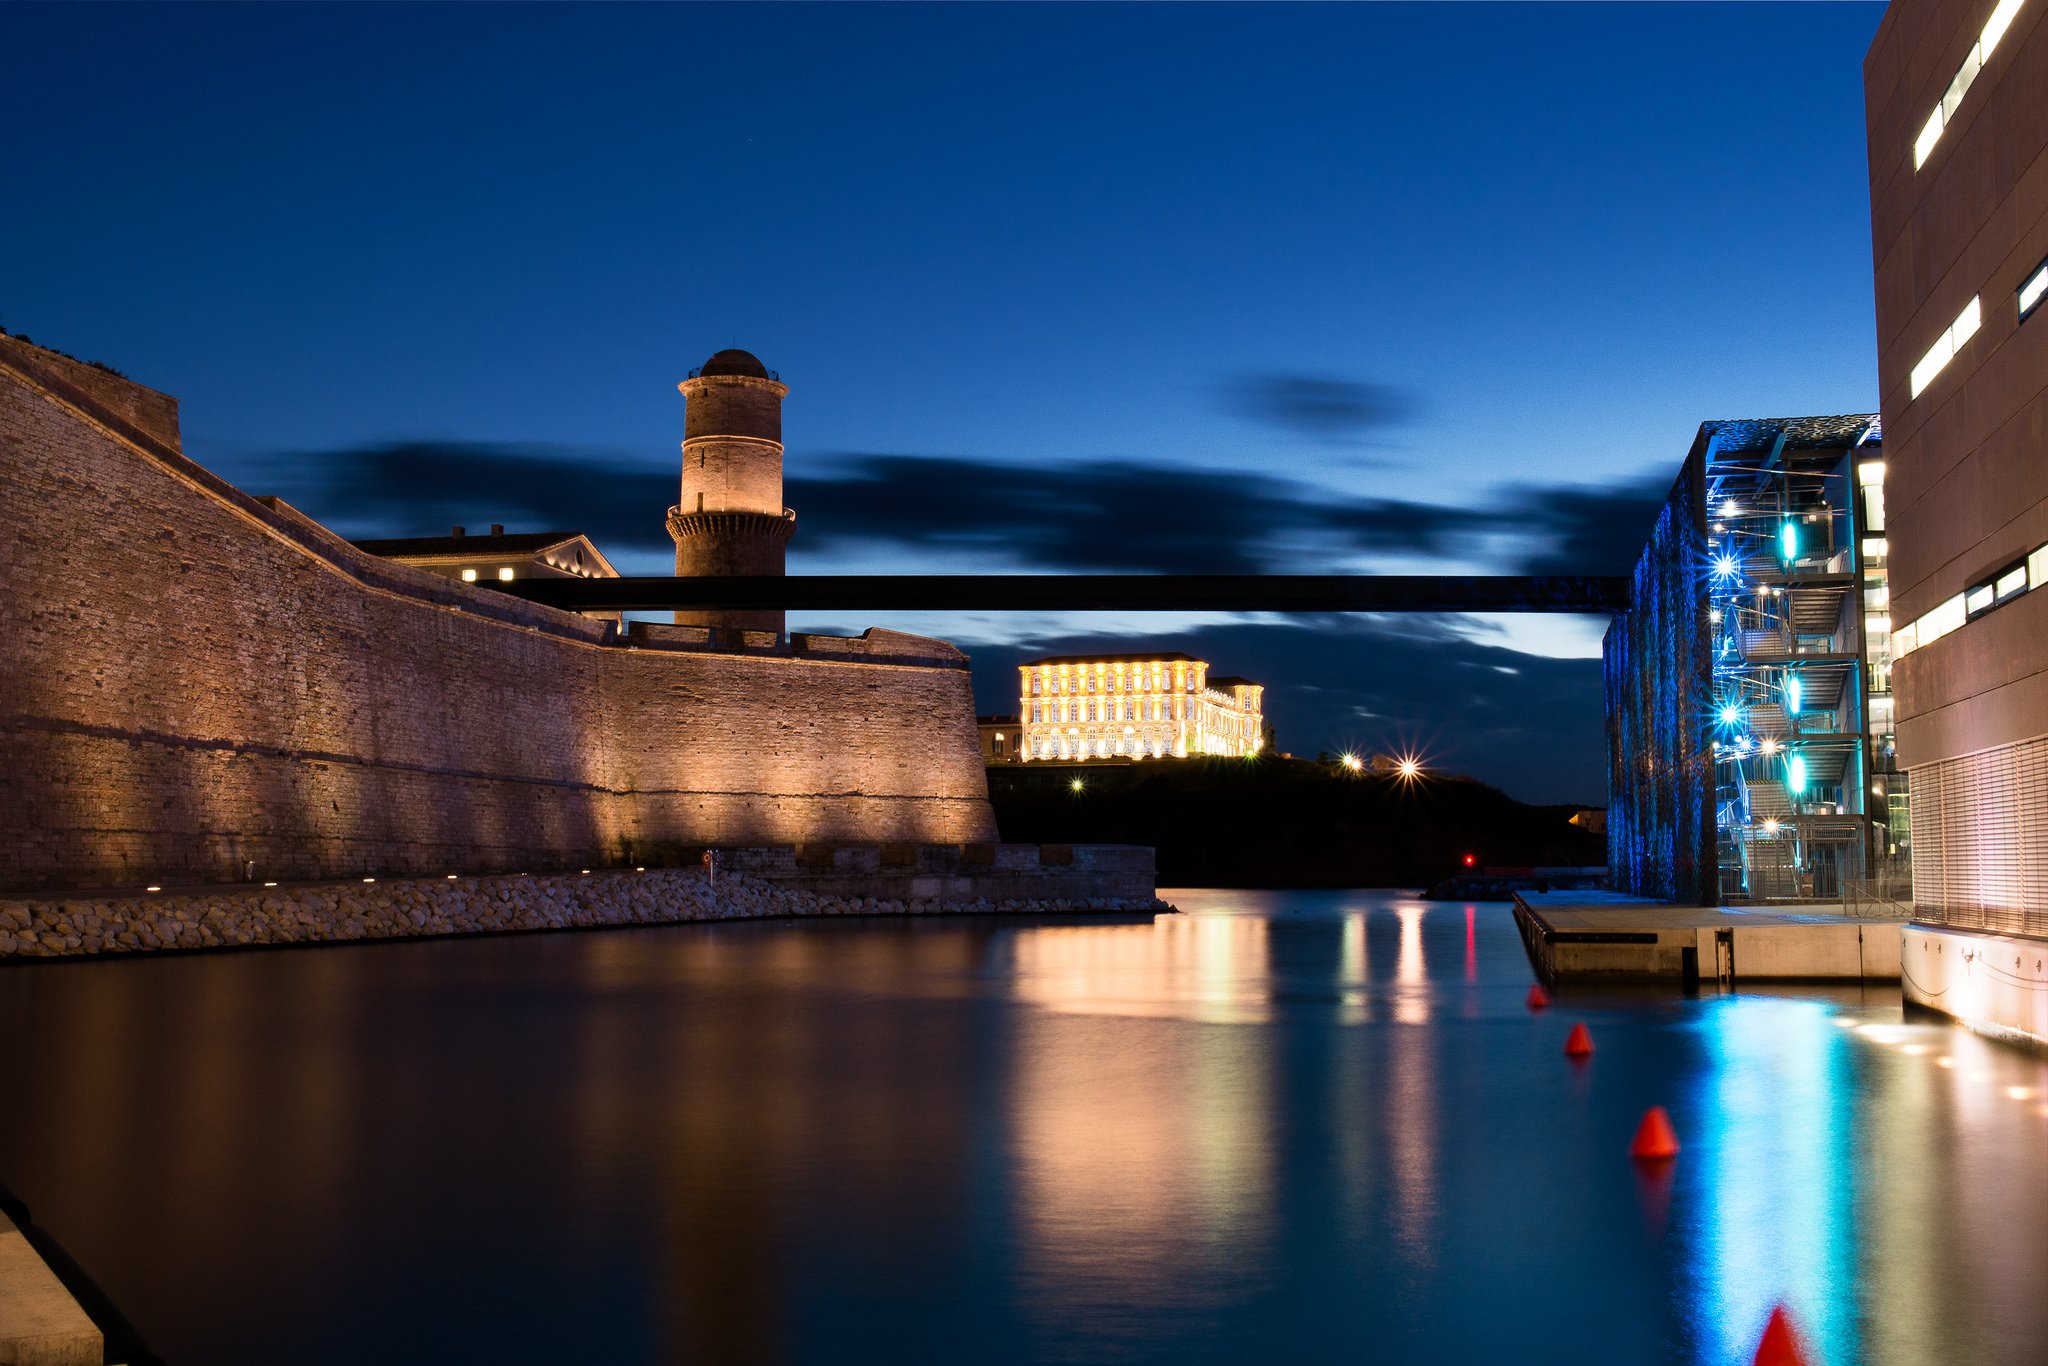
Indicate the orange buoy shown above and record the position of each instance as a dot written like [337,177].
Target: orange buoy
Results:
[1579,1043]
[1654,1141]
[1538,998]
[1780,1345]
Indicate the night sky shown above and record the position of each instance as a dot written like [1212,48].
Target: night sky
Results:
[1055,288]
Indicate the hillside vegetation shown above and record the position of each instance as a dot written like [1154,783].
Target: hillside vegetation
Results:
[1285,822]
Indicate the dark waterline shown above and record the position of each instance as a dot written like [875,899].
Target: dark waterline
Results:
[1294,1125]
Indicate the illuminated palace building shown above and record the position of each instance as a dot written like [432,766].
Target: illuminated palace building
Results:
[1095,707]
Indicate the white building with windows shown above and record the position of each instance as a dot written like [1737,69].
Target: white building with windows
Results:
[1121,706]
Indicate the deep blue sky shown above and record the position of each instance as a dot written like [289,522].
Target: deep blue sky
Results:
[1055,287]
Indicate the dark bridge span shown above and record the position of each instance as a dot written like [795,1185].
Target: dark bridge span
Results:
[1086,593]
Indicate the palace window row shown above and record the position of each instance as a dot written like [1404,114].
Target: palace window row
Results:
[1070,747]
[1091,683]
[1125,709]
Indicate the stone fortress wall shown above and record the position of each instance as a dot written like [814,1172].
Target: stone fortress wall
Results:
[197,686]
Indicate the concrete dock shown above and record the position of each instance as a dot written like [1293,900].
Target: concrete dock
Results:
[40,1323]
[1605,936]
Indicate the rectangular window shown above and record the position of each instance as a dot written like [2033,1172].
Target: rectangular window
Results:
[1943,619]
[1946,345]
[2033,289]
[1965,77]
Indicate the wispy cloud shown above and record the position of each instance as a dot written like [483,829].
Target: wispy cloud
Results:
[1323,408]
[1102,515]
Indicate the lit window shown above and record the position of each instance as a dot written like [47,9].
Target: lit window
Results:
[469,576]
[2013,581]
[505,574]
[1942,620]
[1946,345]
[1966,76]
[1995,27]
[1977,599]
[2033,290]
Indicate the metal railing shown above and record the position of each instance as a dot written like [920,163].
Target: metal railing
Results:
[1886,896]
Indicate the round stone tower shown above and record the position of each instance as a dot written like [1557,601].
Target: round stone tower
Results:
[731,519]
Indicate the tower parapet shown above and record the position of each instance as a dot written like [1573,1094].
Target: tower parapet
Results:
[731,520]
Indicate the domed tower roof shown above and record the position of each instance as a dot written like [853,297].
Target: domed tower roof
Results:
[733,361]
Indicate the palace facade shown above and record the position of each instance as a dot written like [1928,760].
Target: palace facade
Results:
[1142,706]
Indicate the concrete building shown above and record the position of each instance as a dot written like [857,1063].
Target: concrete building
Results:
[1957,114]
[730,520]
[1136,706]
[1958,122]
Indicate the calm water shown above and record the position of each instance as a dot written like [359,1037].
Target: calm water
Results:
[1283,1126]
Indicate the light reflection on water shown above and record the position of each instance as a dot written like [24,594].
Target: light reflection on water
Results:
[1283,1125]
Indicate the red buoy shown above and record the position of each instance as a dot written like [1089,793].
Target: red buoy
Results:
[1654,1141]
[1780,1344]
[1538,998]
[1579,1043]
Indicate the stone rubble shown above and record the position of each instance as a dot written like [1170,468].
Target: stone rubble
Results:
[60,925]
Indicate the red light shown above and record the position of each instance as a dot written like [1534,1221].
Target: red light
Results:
[1468,860]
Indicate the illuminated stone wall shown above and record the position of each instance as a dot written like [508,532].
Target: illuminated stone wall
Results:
[1659,676]
[195,683]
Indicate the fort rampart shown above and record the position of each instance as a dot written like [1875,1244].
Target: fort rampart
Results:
[197,686]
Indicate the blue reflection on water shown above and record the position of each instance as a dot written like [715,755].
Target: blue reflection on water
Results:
[1766,1188]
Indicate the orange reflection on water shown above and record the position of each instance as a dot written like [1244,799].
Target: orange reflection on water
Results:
[1411,970]
[1212,968]
[1140,1146]
[1412,1097]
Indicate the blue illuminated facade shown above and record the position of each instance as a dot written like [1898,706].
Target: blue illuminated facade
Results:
[1748,685]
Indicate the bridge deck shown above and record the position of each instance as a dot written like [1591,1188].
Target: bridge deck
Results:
[1086,593]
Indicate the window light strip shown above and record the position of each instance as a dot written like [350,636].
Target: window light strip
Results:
[1929,627]
[2032,291]
[1980,53]
[1947,344]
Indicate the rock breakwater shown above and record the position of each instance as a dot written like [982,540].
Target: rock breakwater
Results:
[72,925]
